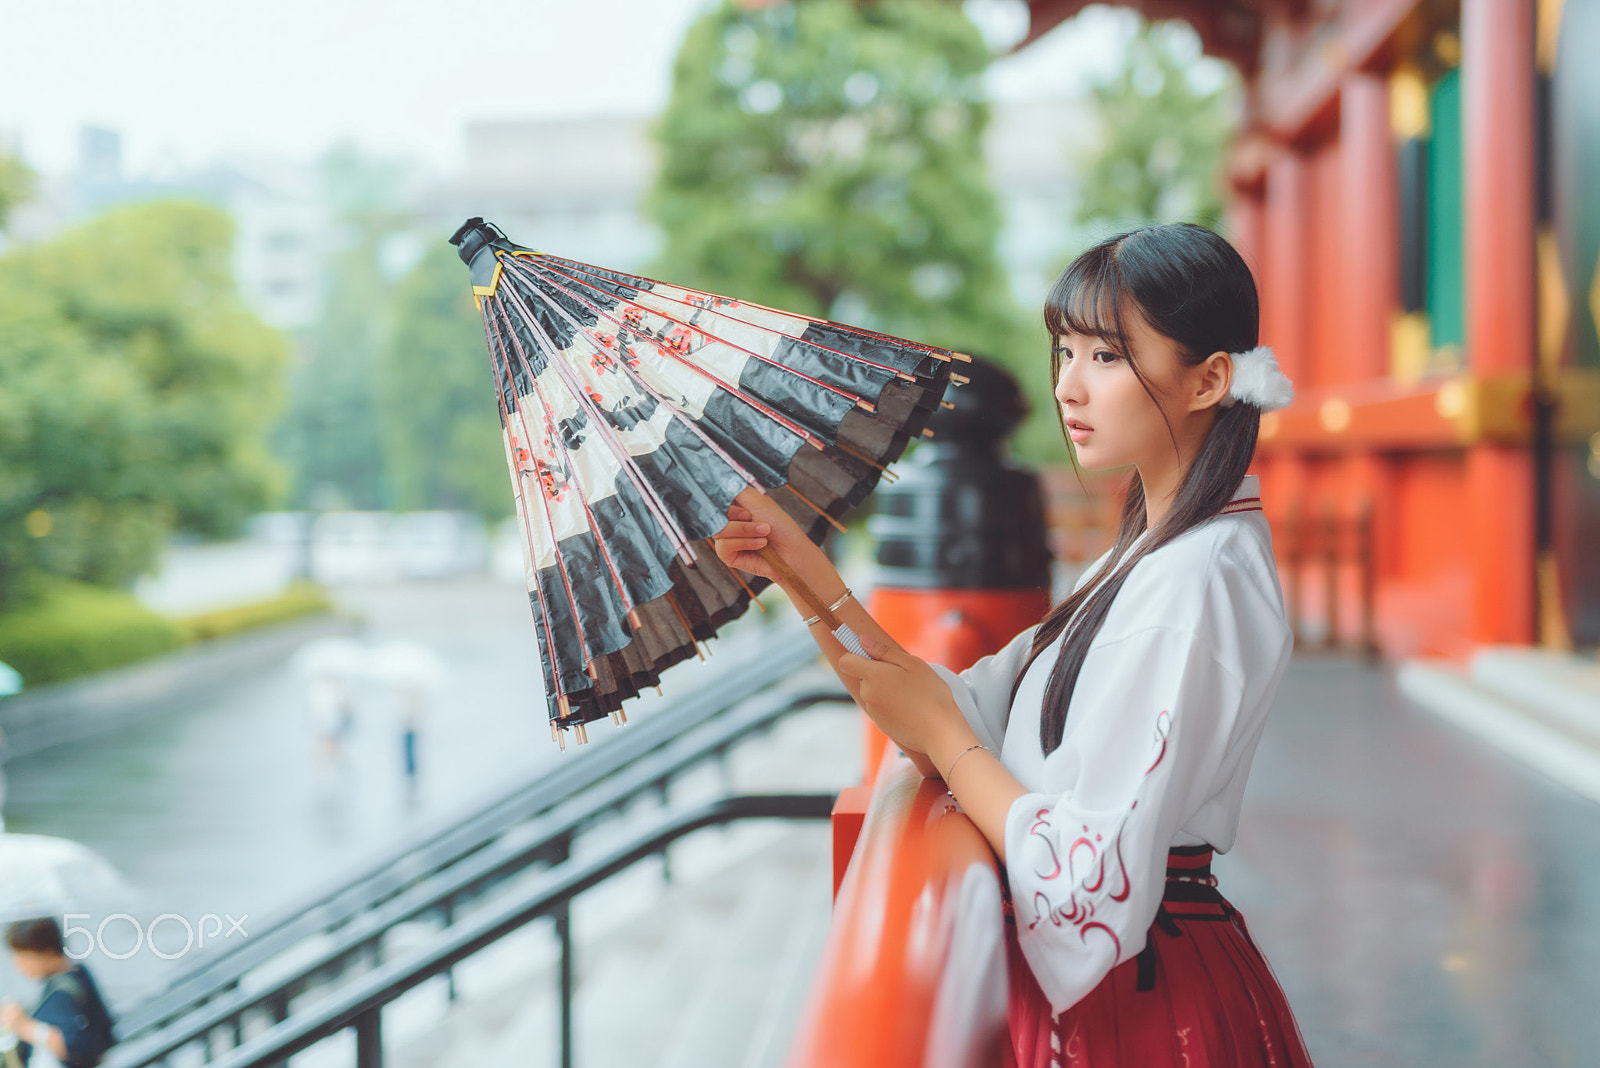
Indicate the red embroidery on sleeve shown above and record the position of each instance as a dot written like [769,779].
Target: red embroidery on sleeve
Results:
[1042,820]
[1116,943]
[1163,729]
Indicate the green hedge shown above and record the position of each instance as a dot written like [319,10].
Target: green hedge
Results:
[75,629]
[299,600]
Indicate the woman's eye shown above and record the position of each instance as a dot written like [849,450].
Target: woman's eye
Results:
[1105,356]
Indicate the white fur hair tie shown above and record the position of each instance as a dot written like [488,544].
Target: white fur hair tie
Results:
[1257,380]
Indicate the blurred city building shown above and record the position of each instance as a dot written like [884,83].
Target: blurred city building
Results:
[282,233]
[568,184]
[1033,149]
[577,185]
[1409,186]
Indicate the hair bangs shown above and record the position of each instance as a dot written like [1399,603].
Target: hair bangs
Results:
[1089,298]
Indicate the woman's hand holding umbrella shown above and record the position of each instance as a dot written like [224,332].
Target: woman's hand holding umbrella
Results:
[759,530]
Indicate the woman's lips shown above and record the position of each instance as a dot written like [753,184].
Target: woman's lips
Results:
[1078,431]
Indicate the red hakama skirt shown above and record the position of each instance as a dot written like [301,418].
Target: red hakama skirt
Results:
[1199,995]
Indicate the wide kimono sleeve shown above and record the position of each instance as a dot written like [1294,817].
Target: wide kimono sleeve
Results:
[1150,728]
[984,690]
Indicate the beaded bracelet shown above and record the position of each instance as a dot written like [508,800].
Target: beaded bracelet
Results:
[834,607]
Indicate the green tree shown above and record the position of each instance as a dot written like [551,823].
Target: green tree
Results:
[826,157]
[1166,124]
[440,428]
[135,394]
[16,185]
[332,435]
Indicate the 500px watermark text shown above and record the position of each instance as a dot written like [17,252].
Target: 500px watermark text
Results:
[129,935]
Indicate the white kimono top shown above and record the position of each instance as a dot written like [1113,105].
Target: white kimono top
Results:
[1159,736]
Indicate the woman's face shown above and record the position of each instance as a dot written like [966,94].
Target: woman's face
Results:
[1110,417]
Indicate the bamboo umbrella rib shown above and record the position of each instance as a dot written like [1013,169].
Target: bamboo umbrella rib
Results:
[809,503]
[666,351]
[603,428]
[660,398]
[577,485]
[561,566]
[769,361]
[670,353]
[517,484]
[673,601]
[942,354]
[583,498]
[745,586]
[691,424]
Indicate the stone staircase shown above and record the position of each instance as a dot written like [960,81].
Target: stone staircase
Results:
[1540,706]
[705,961]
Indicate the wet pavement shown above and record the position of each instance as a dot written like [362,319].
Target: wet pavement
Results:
[1424,899]
[222,805]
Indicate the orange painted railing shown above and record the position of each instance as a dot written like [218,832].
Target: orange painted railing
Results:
[914,971]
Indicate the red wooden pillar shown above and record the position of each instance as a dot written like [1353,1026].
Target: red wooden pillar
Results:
[1497,71]
[1246,221]
[1369,253]
[1369,247]
[1282,277]
[1283,264]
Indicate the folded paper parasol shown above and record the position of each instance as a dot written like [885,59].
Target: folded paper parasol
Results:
[633,413]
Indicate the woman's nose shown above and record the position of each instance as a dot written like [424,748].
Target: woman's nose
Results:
[1068,389]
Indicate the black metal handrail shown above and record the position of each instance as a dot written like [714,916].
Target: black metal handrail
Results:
[360,1004]
[338,904]
[445,891]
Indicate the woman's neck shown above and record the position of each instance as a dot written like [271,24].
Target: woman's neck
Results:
[1160,488]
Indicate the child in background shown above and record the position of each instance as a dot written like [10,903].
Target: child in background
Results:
[71,1021]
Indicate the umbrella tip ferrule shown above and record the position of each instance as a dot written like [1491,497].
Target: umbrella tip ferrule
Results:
[961,357]
[475,238]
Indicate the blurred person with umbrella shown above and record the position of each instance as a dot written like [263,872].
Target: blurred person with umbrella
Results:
[330,668]
[411,673]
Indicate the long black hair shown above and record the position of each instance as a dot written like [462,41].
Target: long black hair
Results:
[1194,288]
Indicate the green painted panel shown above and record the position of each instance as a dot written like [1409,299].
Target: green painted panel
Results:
[1575,164]
[1446,269]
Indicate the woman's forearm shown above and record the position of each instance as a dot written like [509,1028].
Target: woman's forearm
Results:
[813,567]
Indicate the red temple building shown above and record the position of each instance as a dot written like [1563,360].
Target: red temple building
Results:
[1417,186]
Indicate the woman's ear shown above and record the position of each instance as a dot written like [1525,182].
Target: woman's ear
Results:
[1210,381]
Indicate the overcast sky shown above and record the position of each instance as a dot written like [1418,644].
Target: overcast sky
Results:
[185,81]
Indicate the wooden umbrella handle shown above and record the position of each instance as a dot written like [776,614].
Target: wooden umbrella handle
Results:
[807,594]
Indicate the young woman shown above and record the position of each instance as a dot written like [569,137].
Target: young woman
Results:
[1104,753]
